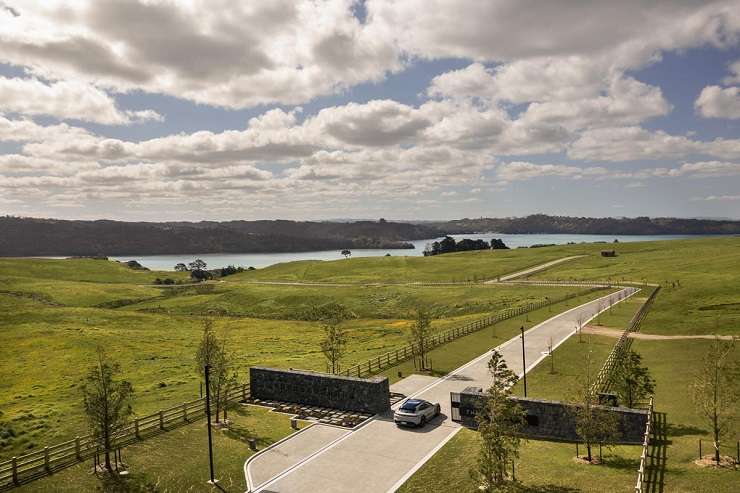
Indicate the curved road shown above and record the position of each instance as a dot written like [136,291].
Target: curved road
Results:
[378,457]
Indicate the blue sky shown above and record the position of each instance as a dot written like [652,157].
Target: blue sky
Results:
[414,110]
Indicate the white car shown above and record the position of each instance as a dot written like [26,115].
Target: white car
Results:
[416,412]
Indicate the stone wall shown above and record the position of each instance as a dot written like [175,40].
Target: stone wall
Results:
[368,395]
[554,420]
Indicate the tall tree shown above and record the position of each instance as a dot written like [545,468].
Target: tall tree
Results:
[107,402]
[500,419]
[197,265]
[594,425]
[180,267]
[714,390]
[419,335]
[633,381]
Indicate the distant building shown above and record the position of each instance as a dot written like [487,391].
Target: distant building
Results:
[608,253]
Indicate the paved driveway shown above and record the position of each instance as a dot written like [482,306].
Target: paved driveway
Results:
[379,456]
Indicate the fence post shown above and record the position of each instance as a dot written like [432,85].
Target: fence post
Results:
[46,458]
[15,470]
[161,420]
[77,448]
[184,412]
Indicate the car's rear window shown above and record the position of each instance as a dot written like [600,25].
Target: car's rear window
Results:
[409,406]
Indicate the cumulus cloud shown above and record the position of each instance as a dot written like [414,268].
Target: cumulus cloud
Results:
[66,100]
[218,52]
[718,102]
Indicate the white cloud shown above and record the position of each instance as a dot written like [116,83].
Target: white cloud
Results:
[631,31]
[717,198]
[218,52]
[716,102]
[66,100]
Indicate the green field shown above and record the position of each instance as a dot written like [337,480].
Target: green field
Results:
[707,301]
[53,314]
[56,315]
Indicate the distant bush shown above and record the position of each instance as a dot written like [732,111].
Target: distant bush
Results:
[230,270]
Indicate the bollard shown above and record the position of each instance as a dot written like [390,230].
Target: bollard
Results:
[400,374]
[252,444]
[294,423]
[700,448]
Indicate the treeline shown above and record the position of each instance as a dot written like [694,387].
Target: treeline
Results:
[51,237]
[541,223]
[449,245]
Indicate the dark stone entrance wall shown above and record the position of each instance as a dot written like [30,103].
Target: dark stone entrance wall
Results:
[369,395]
[554,420]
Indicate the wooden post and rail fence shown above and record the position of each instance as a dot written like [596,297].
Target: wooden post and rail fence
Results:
[42,462]
[604,378]
[392,358]
[645,446]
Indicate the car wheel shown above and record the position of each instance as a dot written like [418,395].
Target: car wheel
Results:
[422,421]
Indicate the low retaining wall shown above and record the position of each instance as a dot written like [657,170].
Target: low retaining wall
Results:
[555,420]
[367,395]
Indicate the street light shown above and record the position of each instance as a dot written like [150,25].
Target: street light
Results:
[207,370]
[524,363]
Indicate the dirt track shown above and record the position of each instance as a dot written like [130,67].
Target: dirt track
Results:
[605,331]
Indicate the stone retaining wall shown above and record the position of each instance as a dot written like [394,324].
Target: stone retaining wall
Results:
[369,395]
[555,420]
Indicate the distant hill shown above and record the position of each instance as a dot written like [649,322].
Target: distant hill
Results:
[541,223]
[52,237]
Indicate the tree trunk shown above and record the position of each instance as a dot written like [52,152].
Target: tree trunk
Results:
[588,451]
[106,441]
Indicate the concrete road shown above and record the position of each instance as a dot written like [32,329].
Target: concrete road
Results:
[378,457]
[534,269]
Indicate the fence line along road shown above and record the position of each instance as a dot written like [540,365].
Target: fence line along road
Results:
[645,445]
[34,465]
[392,358]
[603,379]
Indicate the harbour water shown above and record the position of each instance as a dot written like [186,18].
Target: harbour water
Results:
[259,260]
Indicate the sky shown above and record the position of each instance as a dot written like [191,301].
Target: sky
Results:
[154,110]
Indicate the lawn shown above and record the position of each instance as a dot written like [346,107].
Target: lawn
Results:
[177,461]
[544,467]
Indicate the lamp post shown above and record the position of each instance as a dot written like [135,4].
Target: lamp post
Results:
[207,369]
[524,363]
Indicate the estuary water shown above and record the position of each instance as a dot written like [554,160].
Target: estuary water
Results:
[259,260]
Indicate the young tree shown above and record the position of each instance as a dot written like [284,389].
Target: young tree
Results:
[180,267]
[714,390]
[346,253]
[334,344]
[633,381]
[335,338]
[212,351]
[107,402]
[419,335]
[594,425]
[499,421]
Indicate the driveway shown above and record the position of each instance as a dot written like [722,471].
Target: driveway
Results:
[378,457]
